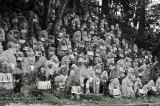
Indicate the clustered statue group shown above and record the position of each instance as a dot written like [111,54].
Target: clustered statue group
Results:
[86,56]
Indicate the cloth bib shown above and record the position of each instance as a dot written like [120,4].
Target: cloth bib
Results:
[35,20]
[64,48]
[61,85]
[24,30]
[90,53]
[122,69]
[31,67]
[141,91]
[22,41]
[42,39]
[20,58]
[38,53]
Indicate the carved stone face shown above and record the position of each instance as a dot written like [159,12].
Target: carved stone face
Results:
[133,77]
[52,41]
[89,20]
[10,35]
[123,42]
[82,29]
[66,21]
[76,18]
[43,70]
[73,14]
[85,18]
[101,25]
[112,27]
[117,26]
[73,23]
[126,45]
[6,27]
[104,15]
[80,64]
[51,53]
[10,45]
[15,21]
[78,26]
[53,17]
[84,33]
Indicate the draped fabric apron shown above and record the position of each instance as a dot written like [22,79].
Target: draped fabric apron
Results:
[76,90]
[116,92]
[44,85]
[6,81]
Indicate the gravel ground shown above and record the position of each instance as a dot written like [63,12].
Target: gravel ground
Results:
[92,100]
[20,104]
[143,104]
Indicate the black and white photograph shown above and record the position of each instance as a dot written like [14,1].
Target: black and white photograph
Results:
[79,52]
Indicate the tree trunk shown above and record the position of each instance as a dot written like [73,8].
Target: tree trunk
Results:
[77,5]
[59,14]
[136,14]
[141,24]
[46,13]
[156,50]
[105,8]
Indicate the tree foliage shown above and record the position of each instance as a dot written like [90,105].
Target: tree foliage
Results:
[153,18]
[95,2]
[129,9]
